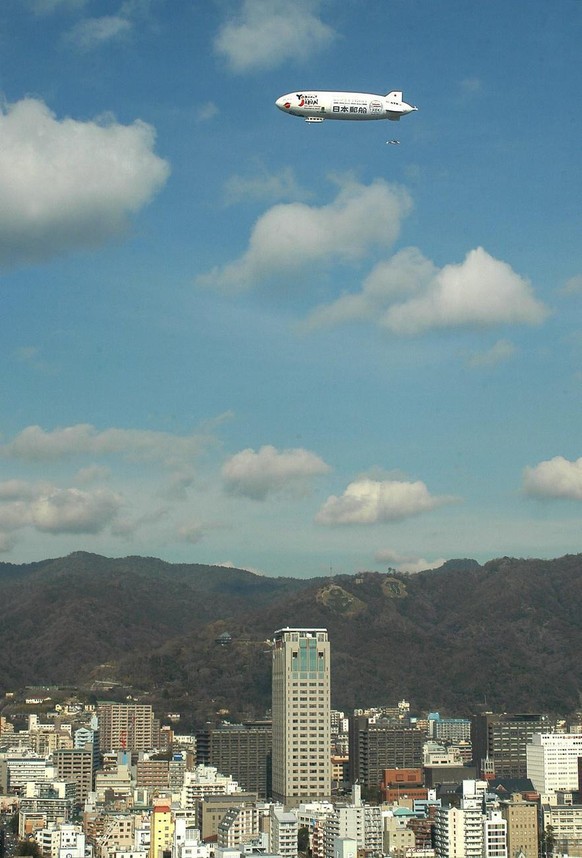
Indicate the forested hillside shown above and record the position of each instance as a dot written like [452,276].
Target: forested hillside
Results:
[505,635]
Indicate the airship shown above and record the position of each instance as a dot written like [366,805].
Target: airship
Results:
[317,105]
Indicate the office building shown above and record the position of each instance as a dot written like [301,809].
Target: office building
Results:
[379,745]
[76,764]
[565,823]
[553,762]
[240,750]
[522,827]
[499,743]
[301,712]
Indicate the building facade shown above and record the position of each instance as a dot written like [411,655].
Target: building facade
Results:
[127,726]
[522,827]
[240,750]
[376,746]
[503,740]
[552,762]
[301,712]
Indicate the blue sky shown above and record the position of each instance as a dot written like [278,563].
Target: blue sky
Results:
[230,336]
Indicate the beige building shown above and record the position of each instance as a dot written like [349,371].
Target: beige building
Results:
[211,810]
[127,726]
[522,827]
[76,764]
[301,712]
[566,823]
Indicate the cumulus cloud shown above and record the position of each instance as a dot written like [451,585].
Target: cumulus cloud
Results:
[257,474]
[266,33]
[367,501]
[408,295]
[16,490]
[554,478]
[49,509]
[290,237]
[74,511]
[67,184]
[281,185]
[406,563]
[36,444]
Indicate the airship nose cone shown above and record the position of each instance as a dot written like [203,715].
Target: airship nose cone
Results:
[283,103]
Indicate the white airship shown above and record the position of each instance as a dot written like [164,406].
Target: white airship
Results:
[317,105]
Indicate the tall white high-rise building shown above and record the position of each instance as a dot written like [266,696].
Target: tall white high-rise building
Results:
[552,761]
[301,712]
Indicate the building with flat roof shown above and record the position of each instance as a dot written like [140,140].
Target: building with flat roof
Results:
[127,726]
[301,712]
[502,740]
[379,745]
[553,762]
[240,750]
[522,827]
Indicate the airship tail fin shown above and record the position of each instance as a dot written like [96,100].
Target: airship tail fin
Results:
[396,95]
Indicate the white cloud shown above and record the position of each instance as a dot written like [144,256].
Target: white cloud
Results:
[404,563]
[408,295]
[54,510]
[281,185]
[390,280]
[193,532]
[499,352]
[267,33]
[36,444]
[258,474]
[554,478]
[66,184]
[94,32]
[91,474]
[290,237]
[16,490]
[367,501]
[74,511]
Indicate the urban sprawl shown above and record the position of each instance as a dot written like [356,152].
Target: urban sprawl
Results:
[105,780]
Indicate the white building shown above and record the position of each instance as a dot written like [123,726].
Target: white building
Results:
[238,825]
[17,769]
[301,712]
[284,830]
[459,831]
[187,843]
[345,847]
[61,841]
[552,762]
[357,821]
[495,835]
[566,823]
[205,781]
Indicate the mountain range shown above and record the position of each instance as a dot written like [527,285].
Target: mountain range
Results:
[195,640]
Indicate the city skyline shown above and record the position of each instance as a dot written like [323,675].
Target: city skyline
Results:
[232,337]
